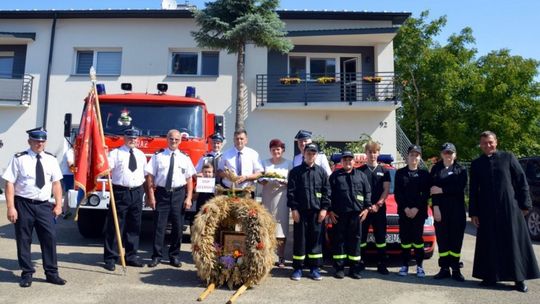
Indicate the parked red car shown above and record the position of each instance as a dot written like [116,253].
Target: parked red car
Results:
[393,246]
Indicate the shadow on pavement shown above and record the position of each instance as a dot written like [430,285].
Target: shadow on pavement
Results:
[171,277]
[470,229]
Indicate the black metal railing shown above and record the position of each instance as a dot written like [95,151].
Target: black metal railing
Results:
[16,88]
[341,87]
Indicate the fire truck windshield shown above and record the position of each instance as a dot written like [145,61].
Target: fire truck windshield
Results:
[152,120]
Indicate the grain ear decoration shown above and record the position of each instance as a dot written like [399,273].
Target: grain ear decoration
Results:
[223,213]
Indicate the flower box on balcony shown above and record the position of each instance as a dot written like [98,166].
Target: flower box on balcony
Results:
[326,79]
[372,79]
[290,80]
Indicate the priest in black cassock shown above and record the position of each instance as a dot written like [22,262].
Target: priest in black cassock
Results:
[499,199]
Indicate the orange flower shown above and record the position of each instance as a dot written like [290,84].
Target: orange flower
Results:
[237,254]
[260,245]
[252,213]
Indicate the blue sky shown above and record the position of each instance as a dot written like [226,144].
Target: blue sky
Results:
[496,24]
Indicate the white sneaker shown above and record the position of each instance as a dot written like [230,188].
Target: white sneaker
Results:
[403,271]
[420,272]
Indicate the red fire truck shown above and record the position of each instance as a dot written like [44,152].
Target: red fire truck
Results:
[154,115]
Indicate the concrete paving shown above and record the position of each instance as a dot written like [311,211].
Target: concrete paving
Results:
[80,262]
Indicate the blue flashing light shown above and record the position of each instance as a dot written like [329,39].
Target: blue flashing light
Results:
[101,89]
[190,91]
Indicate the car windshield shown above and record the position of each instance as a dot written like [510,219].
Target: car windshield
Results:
[152,120]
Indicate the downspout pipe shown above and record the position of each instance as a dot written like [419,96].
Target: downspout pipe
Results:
[49,65]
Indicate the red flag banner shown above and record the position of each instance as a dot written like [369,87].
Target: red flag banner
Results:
[90,153]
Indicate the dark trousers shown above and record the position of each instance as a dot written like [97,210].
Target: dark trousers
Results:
[129,205]
[169,207]
[347,234]
[410,234]
[449,232]
[38,215]
[307,244]
[378,222]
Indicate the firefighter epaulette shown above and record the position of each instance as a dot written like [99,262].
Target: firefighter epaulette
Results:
[159,151]
[49,153]
[21,154]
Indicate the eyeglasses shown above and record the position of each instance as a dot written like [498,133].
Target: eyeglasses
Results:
[174,139]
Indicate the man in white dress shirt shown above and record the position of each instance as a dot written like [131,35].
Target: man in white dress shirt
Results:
[242,160]
[169,189]
[30,177]
[303,138]
[127,165]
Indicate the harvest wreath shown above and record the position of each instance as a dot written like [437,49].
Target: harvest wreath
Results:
[250,259]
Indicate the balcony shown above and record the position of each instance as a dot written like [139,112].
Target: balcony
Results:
[16,90]
[342,89]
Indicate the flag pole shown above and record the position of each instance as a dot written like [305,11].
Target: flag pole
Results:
[109,181]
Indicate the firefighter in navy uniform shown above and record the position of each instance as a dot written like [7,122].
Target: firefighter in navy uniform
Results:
[212,157]
[411,190]
[448,200]
[127,173]
[169,192]
[351,198]
[30,177]
[308,196]
[379,180]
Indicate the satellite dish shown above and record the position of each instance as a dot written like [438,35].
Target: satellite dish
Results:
[168,4]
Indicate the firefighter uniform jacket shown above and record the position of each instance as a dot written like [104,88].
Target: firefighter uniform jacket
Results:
[451,228]
[412,190]
[350,191]
[308,188]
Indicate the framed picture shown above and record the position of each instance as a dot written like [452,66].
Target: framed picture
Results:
[232,241]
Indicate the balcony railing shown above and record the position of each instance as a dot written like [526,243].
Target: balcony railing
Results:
[342,87]
[16,88]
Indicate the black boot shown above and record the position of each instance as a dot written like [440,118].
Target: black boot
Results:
[443,273]
[381,268]
[456,275]
[521,286]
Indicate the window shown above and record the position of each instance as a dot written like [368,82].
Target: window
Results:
[322,67]
[105,62]
[6,64]
[297,66]
[195,63]
[314,65]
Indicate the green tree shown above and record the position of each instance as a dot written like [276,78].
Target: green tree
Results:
[450,95]
[231,25]
[358,146]
[507,102]
[412,45]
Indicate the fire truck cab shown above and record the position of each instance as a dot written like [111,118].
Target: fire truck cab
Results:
[154,115]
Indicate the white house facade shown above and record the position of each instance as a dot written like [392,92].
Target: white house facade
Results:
[338,81]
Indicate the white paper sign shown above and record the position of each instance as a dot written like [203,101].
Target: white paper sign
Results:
[206,185]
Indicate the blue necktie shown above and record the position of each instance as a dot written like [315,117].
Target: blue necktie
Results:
[239,164]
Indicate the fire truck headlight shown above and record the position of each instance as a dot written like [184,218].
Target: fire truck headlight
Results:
[93,200]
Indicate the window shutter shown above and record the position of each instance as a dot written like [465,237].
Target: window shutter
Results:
[210,63]
[109,63]
[84,61]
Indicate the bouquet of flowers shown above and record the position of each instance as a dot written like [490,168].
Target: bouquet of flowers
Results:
[272,176]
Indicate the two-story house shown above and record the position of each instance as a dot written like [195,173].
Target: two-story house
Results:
[338,81]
